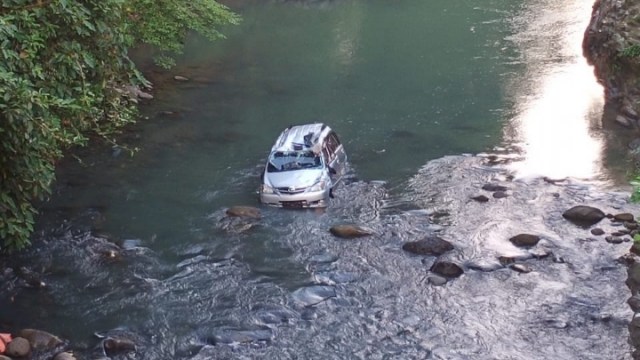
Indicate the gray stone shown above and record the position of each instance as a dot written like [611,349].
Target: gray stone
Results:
[244,211]
[180,78]
[583,215]
[18,347]
[40,340]
[64,356]
[631,225]
[500,194]
[634,303]
[597,231]
[447,269]
[624,217]
[431,245]
[525,240]
[494,187]
[480,198]
[614,239]
[349,231]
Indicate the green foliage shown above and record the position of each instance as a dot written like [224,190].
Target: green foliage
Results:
[165,23]
[636,238]
[63,68]
[631,52]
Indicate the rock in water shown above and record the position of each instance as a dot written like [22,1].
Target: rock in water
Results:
[40,339]
[18,348]
[244,211]
[447,269]
[583,215]
[431,245]
[349,231]
[525,240]
[494,187]
[624,217]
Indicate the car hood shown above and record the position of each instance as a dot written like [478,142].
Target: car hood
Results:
[296,178]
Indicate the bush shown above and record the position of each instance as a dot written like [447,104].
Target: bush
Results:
[62,65]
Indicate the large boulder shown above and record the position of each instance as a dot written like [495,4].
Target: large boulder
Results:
[525,240]
[583,215]
[431,245]
[350,231]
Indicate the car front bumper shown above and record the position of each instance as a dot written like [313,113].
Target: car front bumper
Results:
[303,200]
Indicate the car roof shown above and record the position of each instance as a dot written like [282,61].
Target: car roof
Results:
[293,137]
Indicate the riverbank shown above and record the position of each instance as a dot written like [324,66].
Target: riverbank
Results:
[611,44]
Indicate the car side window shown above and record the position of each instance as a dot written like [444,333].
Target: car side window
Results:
[331,144]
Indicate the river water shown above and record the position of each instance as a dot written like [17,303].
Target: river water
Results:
[432,99]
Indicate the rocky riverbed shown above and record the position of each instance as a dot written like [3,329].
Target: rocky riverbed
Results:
[465,260]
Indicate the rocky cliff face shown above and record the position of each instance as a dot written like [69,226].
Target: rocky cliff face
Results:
[612,45]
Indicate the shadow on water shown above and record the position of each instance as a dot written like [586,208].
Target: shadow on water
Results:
[283,287]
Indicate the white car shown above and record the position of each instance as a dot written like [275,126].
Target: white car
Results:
[304,165]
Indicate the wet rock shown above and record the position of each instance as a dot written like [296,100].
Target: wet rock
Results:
[624,217]
[614,239]
[583,215]
[348,231]
[635,248]
[437,280]
[447,269]
[484,265]
[521,268]
[525,240]
[631,225]
[244,211]
[480,198]
[500,194]
[597,232]
[312,295]
[180,78]
[494,187]
[117,345]
[40,340]
[30,277]
[18,348]
[64,356]
[634,303]
[431,245]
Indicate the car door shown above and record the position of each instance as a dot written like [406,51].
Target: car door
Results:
[336,156]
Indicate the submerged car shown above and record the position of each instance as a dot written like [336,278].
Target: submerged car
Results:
[304,166]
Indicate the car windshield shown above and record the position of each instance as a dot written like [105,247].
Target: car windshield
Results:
[293,160]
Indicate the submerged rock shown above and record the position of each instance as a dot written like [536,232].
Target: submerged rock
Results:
[447,269]
[431,245]
[583,215]
[349,231]
[244,211]
[525,240]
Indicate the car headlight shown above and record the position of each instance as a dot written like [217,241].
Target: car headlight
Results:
[266,189]
[319,186]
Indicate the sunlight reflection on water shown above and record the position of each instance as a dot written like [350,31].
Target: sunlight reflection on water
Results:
[558,108]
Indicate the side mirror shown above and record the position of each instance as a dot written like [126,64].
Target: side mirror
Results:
[332,171]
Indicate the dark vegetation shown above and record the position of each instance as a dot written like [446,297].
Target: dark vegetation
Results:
[65,77]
